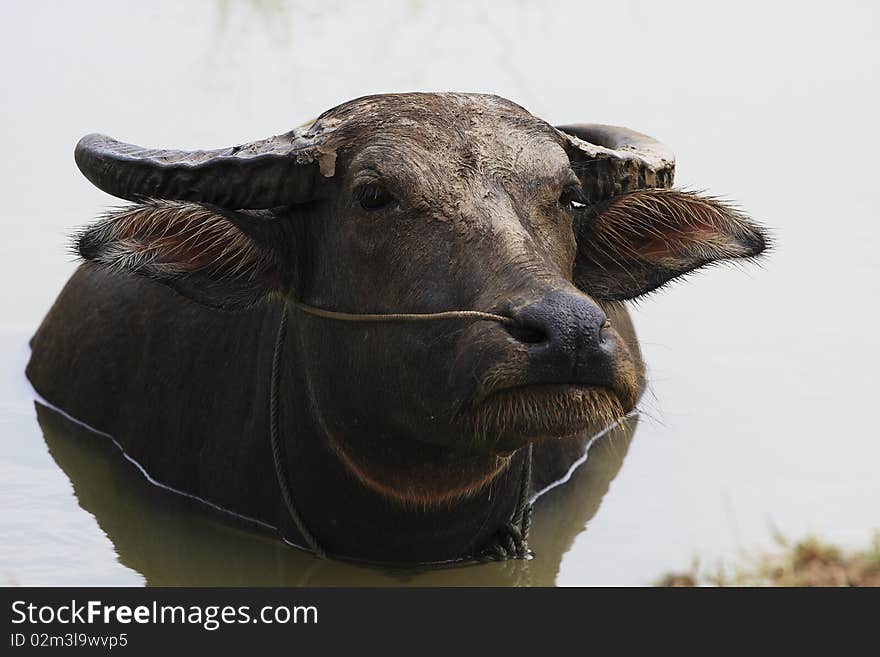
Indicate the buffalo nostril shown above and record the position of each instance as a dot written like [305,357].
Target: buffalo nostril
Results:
[526,334]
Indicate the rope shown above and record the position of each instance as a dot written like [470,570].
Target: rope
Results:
[403,317]
[511,540]
[280,468]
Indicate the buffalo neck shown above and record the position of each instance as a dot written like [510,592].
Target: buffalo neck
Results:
[350,520]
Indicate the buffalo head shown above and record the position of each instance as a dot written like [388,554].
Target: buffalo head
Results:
[421,203]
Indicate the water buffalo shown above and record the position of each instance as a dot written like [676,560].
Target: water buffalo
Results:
[377,333]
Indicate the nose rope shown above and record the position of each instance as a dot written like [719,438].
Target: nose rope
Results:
[511,540]
[477,315]
[403,317]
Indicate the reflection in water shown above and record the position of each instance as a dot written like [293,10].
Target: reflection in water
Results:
[172,540]
[760,407]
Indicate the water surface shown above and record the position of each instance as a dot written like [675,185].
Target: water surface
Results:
[763,380]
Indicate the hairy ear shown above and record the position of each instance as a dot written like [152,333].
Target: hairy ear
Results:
[637,242]
[213,256]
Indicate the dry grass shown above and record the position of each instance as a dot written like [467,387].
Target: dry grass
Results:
[809,562]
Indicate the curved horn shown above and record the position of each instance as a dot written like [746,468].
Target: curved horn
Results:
[610,160]
[277,171]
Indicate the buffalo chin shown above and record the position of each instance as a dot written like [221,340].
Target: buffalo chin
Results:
[510,418]
[425,474]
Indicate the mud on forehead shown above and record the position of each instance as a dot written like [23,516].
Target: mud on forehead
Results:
[418,134]
[405,164]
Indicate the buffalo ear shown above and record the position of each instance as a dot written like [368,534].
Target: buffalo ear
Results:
[637,242]
[213,256]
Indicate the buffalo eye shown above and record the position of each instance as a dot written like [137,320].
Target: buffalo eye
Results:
[374,197]
[572,198]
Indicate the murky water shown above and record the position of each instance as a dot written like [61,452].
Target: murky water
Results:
[763,380]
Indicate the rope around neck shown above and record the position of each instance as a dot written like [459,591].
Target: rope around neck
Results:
[277,457]
[511,540]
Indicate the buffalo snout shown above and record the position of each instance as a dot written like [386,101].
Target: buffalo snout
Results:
[559,369]
[567,338]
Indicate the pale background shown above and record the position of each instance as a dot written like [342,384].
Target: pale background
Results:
[763,378]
